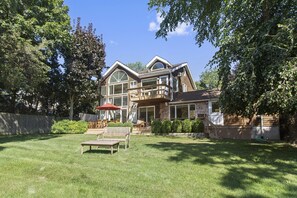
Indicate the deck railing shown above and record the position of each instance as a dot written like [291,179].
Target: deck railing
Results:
[158,91]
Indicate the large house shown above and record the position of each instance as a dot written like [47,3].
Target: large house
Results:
[161,91]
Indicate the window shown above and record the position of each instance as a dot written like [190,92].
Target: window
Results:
[181,112]
[118,76]
[125,100]
[192,111]
[117,101]
[163,80]
[150,83]
[103,90]
[125,87]
[158,65]
[118,88]
[172,112]
[175,84]
[215,107]
[133,84]
[102,101]
[185,88]
[147,114]
[110,88]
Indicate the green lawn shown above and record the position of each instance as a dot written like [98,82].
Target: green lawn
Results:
[51,166]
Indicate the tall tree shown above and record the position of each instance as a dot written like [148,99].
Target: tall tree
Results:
[84,61]
[137,66]
[30,32]
[209,79]
[259,37]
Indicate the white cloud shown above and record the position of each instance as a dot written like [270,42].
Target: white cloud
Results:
[181,30]
[153,26]
[113,42]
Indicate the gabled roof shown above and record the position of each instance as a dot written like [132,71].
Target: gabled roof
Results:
[185,65]
[115,65]
[198,95]
[157,58]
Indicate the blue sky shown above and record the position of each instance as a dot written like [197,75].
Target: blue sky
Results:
[128,30]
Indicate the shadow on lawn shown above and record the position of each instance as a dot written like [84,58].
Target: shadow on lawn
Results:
[246,163]
[22,138]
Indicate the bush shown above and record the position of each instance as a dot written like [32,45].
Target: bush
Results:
[197,126]
[120,124]
[156,126]
[187,126]
[69,126]
[177,126]
[166,126]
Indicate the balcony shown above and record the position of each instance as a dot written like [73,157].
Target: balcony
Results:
[151,93]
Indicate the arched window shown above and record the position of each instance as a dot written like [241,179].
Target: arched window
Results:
[118,76]
[158,65]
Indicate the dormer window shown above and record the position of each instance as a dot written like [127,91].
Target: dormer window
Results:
[158,65]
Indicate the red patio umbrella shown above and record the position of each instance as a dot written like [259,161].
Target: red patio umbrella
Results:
[108,106]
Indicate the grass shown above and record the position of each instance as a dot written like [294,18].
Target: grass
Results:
[51,166]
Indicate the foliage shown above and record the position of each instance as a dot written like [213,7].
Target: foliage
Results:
[31,33]
[209,79]
[166,126]
[177,126]
[187,126]
[197,126]
[156,126]
[137,66]
[69,126]
[120,124]
[84,61]
[257,50]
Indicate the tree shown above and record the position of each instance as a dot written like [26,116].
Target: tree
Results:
[208,80]
[30,32]
[83,64]
[259,37]
[137,66]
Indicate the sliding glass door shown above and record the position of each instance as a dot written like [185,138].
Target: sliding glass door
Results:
[147,114]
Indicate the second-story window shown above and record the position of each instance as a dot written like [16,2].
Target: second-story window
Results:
[133,84]
[175,84]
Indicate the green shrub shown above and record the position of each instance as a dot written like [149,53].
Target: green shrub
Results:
[156,126]
[177,126]
[166,126]
[69,126]
[120,124]
[197,126]
[187,126]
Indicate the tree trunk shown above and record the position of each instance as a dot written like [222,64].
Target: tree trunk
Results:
[13,101]
[71,101]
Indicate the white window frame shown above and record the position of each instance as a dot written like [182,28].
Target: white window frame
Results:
[189,113]
[146,111]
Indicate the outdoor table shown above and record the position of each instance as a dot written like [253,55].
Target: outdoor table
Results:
[108,143]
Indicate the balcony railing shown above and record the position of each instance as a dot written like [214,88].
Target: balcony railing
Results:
[158,92]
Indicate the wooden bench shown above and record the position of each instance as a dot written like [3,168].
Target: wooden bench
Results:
[109,143]
[121,134]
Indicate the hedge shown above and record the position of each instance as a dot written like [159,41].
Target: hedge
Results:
[120,124]
[166,126]
[177,126]
[69,126]
[156,126]
[197,126]
[187,126]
